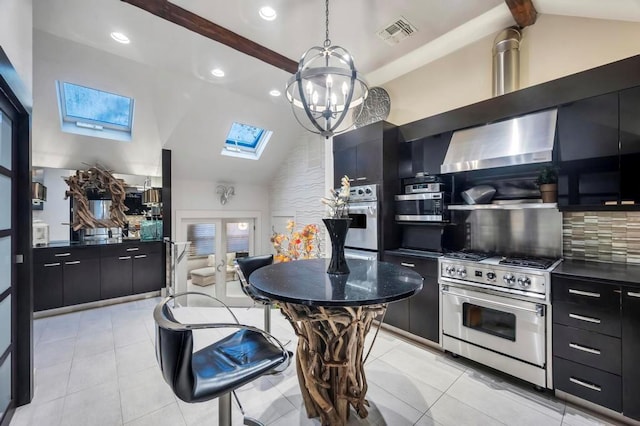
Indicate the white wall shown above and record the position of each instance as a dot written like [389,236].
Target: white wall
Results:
[201,195]
[16,24]
[56,209]
[554,47]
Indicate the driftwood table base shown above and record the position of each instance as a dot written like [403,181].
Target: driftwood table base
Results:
[329,358]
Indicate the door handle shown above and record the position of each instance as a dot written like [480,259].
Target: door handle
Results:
[491,302]
[408,265]
[633,294]
[584,293]
[585,384]
[584,349]
[140,256]
[49,265]
[586,319]
[362,178]
[62,254]
[75,262]
[124,257]
[222,263]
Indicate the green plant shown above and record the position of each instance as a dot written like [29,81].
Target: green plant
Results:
[547,175]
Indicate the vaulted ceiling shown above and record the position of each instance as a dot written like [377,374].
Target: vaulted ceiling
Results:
[181,106]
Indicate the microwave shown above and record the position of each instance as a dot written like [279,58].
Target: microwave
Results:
[421,207]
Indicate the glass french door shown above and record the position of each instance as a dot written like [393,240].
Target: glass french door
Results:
[214,245]
[8,179]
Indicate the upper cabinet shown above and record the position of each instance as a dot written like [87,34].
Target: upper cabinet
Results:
[364,154]
[423,155]
[630,145]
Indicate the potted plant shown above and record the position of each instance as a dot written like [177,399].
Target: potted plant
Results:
[548,182]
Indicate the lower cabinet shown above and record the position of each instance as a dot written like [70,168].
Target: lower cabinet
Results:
[148,273]
[116,277]
[81,281]
[419,314]
[47,285]
[631,352]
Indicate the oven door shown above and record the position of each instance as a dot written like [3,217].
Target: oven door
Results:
[512,327]
[363,231]
[421,207]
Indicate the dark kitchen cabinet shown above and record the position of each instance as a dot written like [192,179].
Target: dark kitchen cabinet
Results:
[398,314]
[631,352]
[344,164]
[81,281]
[47,285]
[420,315]
[116,278]
[630,145]
[424,155]
[148,272]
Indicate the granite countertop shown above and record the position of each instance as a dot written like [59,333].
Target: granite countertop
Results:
[414,253]
[603,271]
[62,244]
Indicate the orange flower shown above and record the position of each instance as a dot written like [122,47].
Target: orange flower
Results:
[295,245]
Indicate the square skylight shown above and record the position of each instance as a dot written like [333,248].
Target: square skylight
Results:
[93,112]
[245,141]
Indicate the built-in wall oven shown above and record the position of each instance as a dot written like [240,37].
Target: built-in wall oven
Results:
[421,207]
[363,210]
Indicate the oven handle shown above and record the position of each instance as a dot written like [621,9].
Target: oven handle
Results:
[539,310]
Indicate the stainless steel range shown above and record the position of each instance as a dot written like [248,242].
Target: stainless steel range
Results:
[496,310]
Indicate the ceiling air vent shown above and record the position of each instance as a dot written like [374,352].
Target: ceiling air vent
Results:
[396,31]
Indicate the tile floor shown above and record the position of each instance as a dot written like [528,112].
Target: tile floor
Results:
[98,367]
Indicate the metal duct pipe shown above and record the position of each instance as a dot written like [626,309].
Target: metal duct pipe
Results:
[506,61]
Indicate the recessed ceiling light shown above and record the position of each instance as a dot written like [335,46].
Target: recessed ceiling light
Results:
[267,13]
[275,93]
[217,72]
[120,38]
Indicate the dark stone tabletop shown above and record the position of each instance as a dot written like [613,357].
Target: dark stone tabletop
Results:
[306,282]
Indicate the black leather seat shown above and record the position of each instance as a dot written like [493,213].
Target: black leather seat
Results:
[218,369]
[245,266]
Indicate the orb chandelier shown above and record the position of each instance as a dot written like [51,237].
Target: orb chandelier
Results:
[325,87]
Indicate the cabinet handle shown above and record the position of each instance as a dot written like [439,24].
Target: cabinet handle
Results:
[49,265]
[583,318]
[585,384]
[633,294]
[584,348]
[124,257]
[351,180]
[62,254]
[584,293]
[362,178]
[140,256]
[75,262]
[408,265]
[133,249]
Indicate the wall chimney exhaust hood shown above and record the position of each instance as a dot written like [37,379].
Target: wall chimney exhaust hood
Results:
[523,140]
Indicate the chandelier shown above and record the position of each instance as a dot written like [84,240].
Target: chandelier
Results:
[325,87]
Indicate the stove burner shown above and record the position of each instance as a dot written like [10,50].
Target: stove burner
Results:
[528,262]
[475,256]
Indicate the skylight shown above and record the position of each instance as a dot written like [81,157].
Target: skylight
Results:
[93,112]
[246,141]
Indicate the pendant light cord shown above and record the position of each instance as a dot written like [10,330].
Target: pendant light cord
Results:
[327,41]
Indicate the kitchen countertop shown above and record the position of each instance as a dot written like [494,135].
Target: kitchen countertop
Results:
[414,253]
[604,271]
[78,244]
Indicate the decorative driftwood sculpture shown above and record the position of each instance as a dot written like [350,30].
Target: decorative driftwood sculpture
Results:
[329,358]
[102,180]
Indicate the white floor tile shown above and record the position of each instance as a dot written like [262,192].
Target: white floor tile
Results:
[140,397]
[94,343]
[166,416]
[95,406]
[35,414]
[449,411]
[574,416]
[51,382]
[128,335]
[92,370]
[51,353]
[135,357]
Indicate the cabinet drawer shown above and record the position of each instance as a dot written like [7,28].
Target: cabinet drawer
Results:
[585,292]
[588,348]
[131,249]
[425,267]
[52,255]
[605,321]
[588,383]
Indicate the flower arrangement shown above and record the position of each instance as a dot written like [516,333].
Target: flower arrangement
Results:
[304,244]
[338,203]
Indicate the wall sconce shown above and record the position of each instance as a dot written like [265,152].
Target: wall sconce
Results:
[225,193]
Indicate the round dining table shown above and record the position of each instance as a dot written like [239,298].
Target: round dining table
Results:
[331,315]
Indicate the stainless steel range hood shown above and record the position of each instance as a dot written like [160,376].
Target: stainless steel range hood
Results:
[523,140]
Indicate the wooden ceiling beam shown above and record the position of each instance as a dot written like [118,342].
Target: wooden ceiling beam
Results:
[189,20]
[523,12]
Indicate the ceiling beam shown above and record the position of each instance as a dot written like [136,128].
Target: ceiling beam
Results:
[189,20]
[523,12]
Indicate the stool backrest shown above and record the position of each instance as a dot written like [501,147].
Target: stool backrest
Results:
[247,265]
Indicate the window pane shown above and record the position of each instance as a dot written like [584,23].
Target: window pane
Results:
[5,385]
[238,237]
[5,263]
[203,239]
[5,141]
[91,104]
[244,135]
[5,202]
[5,320]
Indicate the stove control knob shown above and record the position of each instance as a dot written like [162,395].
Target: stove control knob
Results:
[360,192]
[450,270]
[509,279]
[368,191]
[462,272]
[491,276]
[524,282]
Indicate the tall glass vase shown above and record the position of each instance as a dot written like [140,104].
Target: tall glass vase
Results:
[337,229]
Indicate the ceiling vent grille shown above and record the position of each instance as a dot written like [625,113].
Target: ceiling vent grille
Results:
[397,30]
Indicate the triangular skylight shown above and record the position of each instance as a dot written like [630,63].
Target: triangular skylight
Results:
[245,141]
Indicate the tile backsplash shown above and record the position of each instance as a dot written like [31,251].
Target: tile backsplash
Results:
[602,236]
